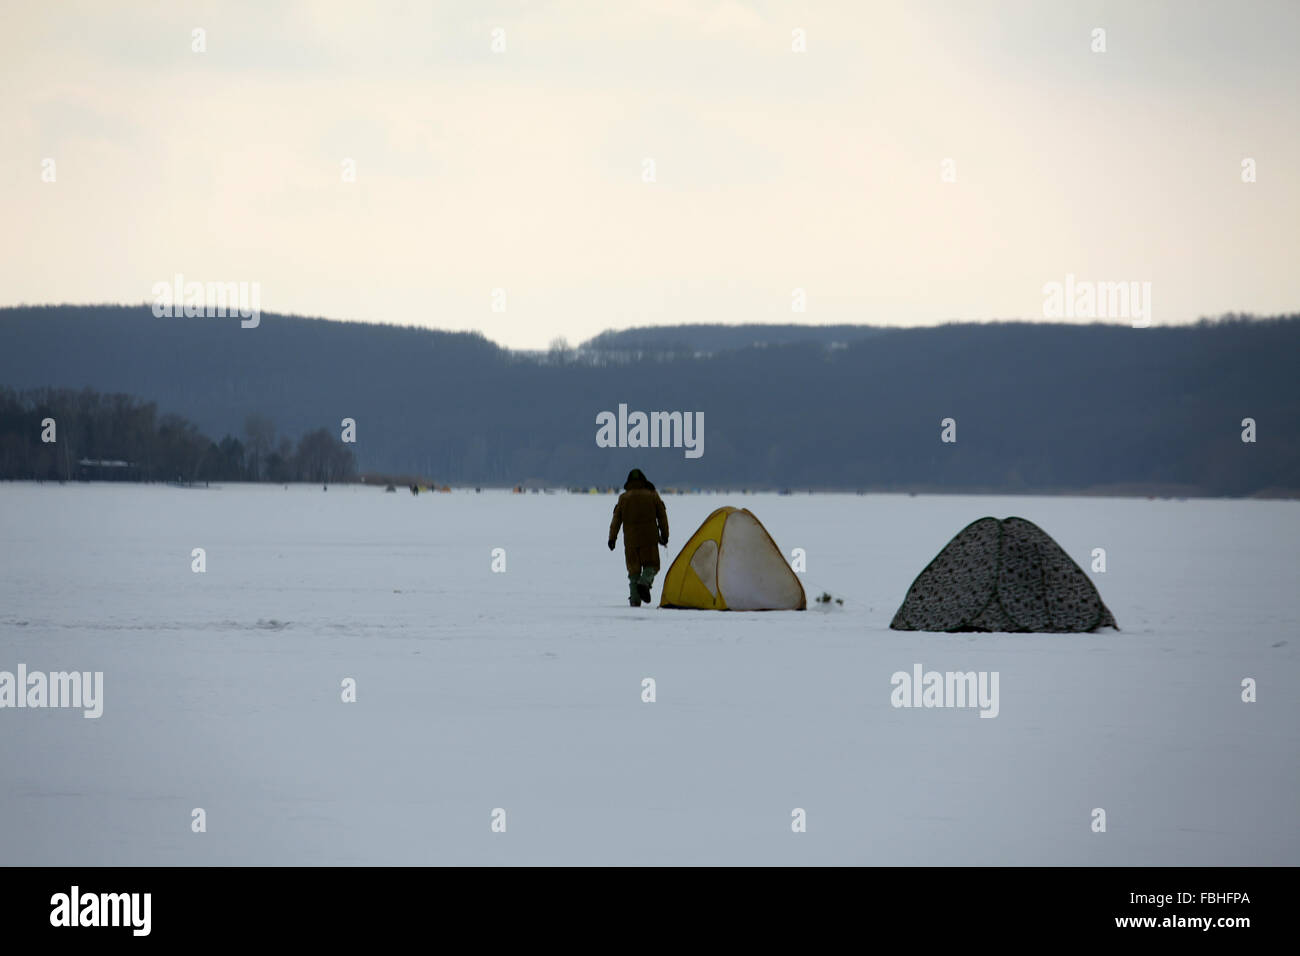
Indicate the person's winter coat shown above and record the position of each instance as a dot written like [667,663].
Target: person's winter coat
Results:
[641,513]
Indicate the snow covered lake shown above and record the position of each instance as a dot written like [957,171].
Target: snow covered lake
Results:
[522,690]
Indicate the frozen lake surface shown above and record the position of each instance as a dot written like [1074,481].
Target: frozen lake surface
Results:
[522,690]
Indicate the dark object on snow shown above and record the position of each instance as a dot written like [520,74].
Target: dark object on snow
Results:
[1004,575]
[825,598]
[640,513]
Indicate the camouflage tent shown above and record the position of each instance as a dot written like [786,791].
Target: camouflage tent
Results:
[1004,575]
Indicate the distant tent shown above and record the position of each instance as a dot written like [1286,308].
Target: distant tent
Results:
[1004,575]
[732,564]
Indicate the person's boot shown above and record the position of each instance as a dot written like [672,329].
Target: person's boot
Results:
[634,592]
[643,583]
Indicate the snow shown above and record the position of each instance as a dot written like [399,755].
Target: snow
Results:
[522,690]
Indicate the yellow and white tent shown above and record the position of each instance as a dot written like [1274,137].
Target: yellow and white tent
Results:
[732,564]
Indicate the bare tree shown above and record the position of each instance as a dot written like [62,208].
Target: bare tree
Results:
[259,435]
[560,351]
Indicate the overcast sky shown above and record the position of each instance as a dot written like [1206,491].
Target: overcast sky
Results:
[775,170]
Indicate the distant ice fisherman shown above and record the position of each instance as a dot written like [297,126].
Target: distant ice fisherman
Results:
[641,513]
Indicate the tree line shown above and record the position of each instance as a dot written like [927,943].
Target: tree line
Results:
[1038,407]
[63,434]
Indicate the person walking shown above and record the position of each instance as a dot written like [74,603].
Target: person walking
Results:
[644,520]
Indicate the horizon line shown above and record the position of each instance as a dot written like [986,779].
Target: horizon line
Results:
[940,323]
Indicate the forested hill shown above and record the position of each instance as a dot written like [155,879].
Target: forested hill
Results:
[708,339]
[1037,407]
